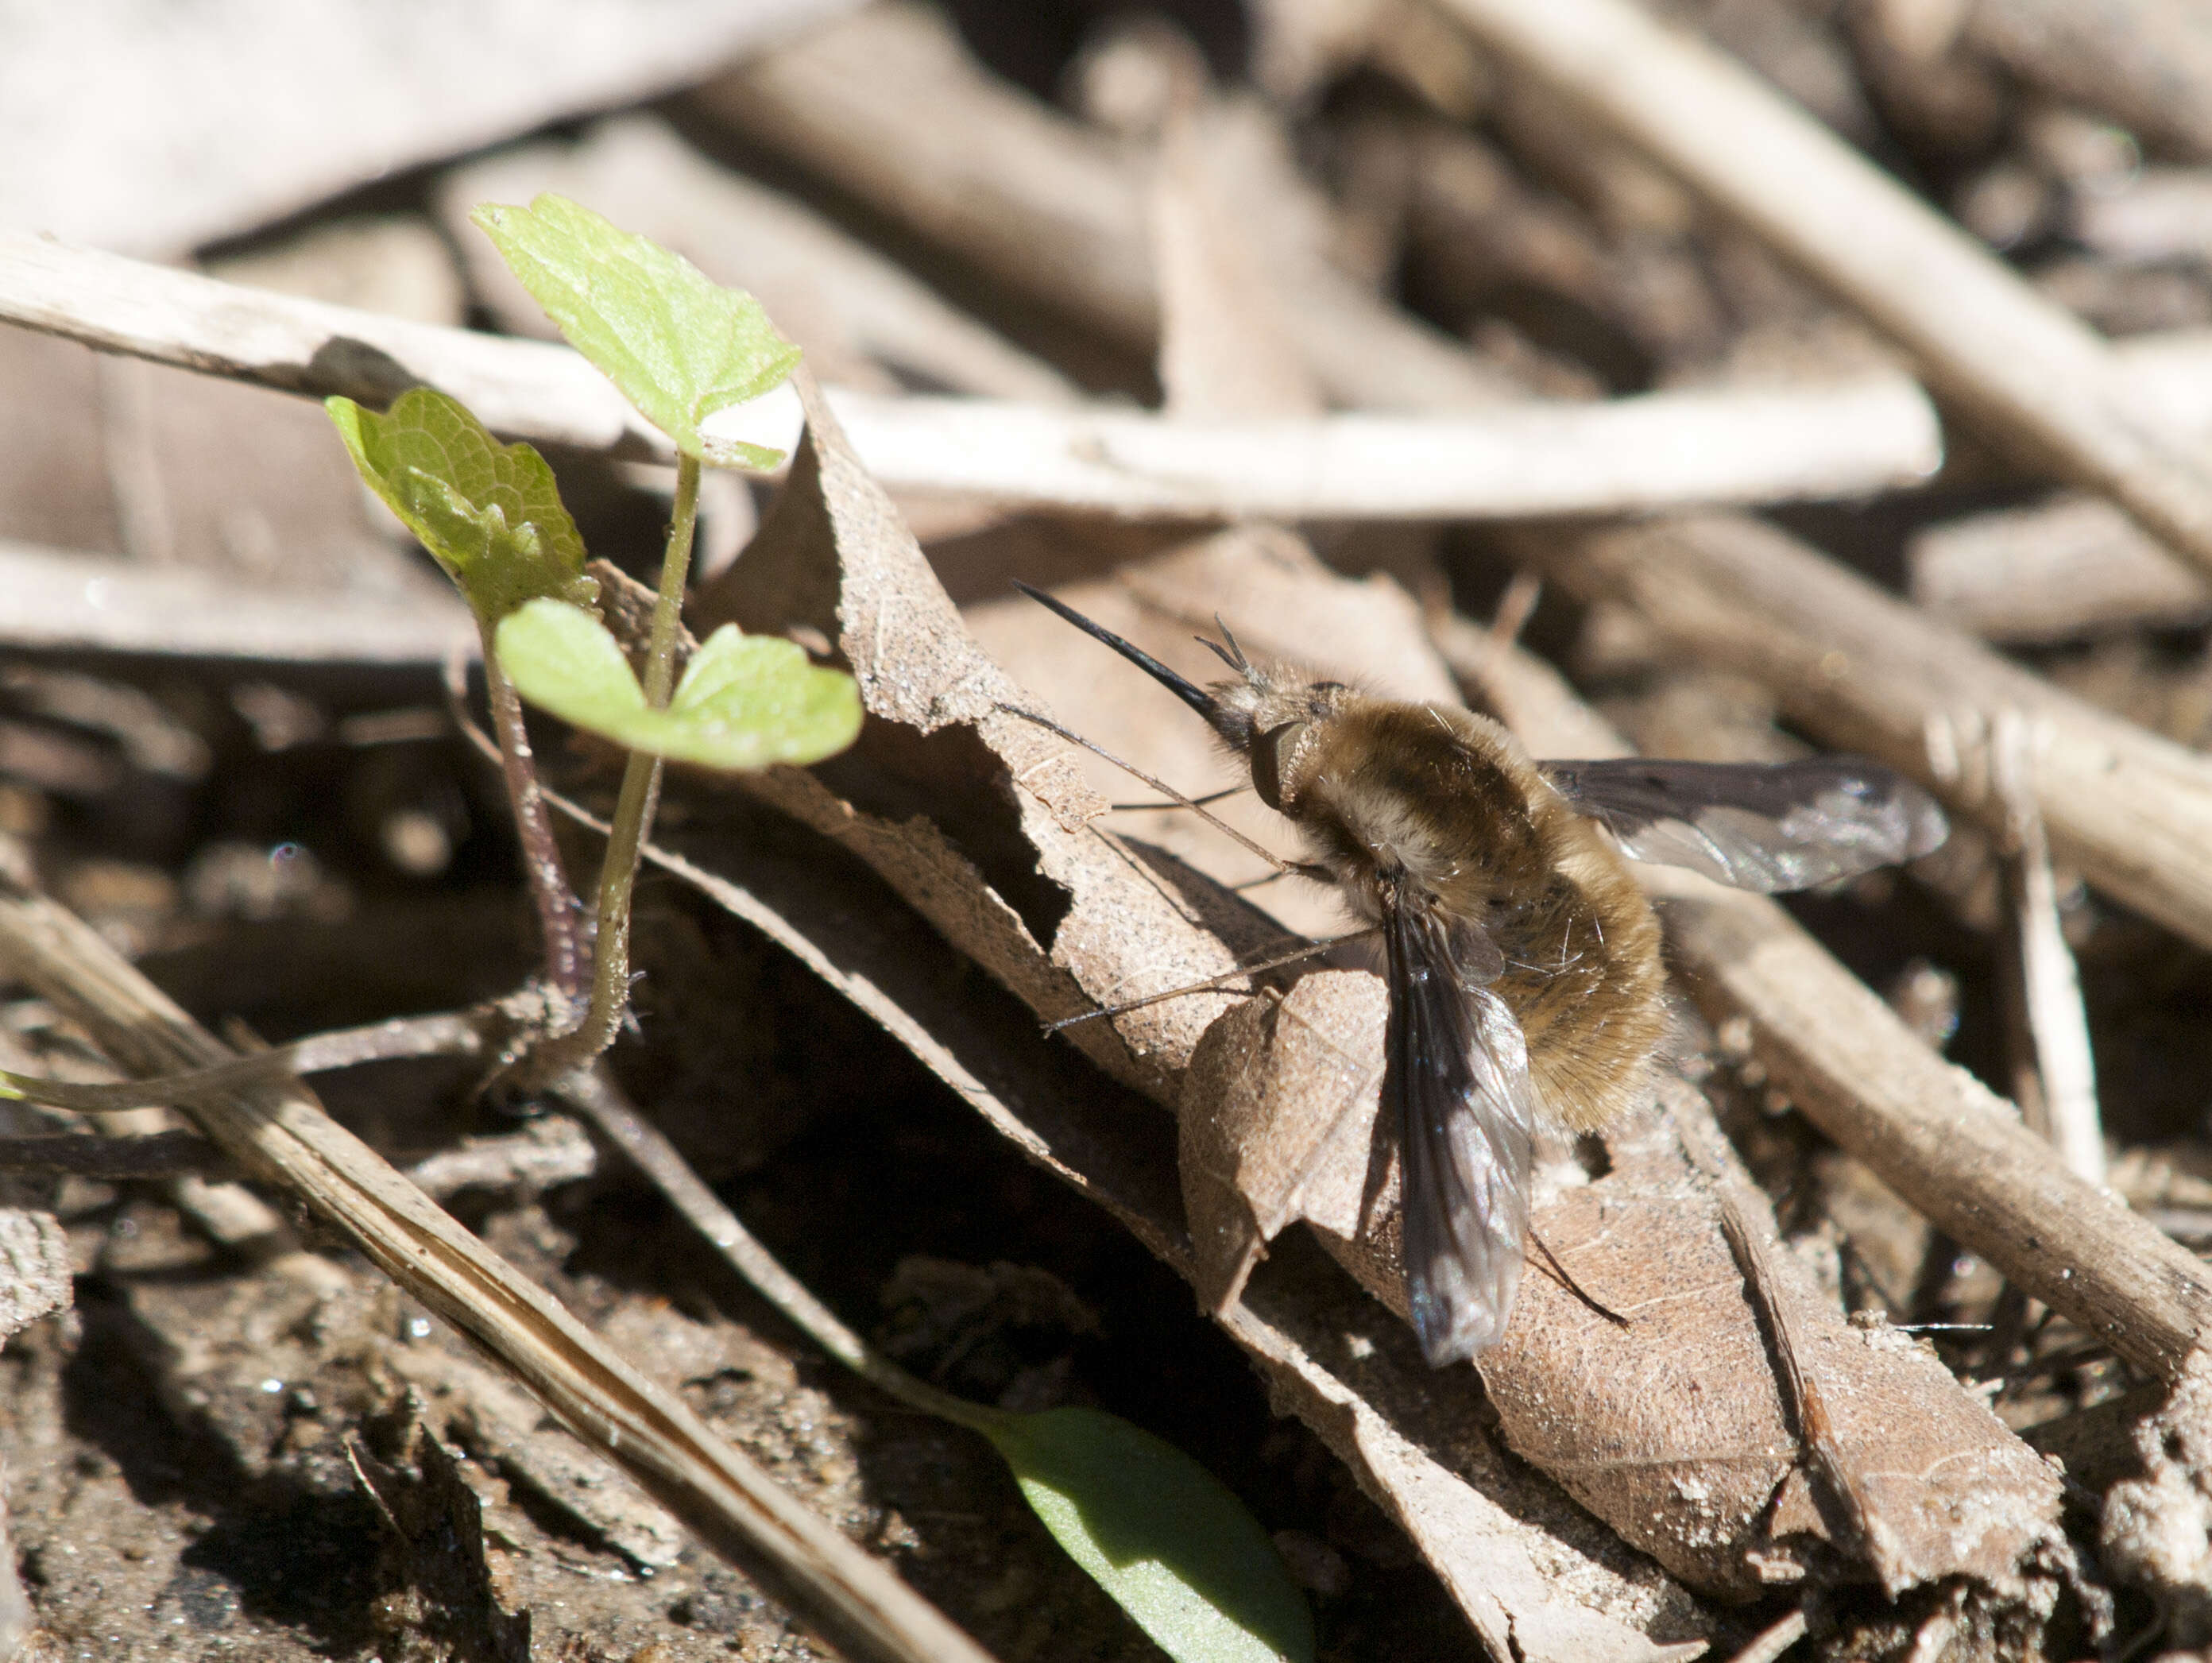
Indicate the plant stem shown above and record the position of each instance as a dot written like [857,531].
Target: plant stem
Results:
[559,914]
[595,1095]
[668,615]
[633,818]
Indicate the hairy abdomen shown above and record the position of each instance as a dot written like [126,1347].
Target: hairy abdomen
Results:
[1584,977]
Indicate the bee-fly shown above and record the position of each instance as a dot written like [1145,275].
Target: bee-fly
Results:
[1521,958]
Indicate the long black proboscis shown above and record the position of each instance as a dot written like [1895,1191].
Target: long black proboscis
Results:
[1189,692]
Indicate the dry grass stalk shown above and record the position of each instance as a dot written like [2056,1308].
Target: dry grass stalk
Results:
[2037,377]
[63,600]
[2061,570]
[1658,450]
[284,1138]
[2055,1071]
[889,107]
[1950,1147]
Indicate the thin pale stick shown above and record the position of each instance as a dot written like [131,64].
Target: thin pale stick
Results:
[454,1035]
[282,1135]
[2057,1058]
[1516,607]
[1521,456]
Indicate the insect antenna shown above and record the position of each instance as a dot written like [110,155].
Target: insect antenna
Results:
[1311,949]
[1283,868]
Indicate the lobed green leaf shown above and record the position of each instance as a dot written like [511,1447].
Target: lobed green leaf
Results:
[678,345]
[745,702]
[1176,1549]
[489,512]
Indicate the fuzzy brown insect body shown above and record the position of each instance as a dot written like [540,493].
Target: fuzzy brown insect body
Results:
[1523,959]
[1416,807]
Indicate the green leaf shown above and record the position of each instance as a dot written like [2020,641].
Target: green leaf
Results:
[745,702]
[680,345]
[1160,1534]
[489,512]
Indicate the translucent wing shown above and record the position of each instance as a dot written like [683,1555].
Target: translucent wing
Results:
[1768,826]
[1456,1079]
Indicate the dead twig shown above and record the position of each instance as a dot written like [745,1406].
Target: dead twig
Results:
[2061,570]
[2037,377]
[156,1154]
[1948,1146]
[2056,1072]
[283,1136]
[1518,460]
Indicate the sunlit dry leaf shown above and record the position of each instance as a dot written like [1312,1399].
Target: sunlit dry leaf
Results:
[1009,807]
[1009,868]
[1676,1430]
[1530,1567]
[1704,1472]
[1277,1118]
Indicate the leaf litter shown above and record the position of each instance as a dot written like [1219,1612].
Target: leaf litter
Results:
[1706,1473]
[1316,1175]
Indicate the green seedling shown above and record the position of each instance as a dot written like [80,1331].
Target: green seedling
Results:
[1175,1547]
[745,702]
[1160,1533]
[678,345]
[489,513]
[1157,1532]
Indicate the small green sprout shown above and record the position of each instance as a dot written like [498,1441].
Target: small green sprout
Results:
[489,512]
[679,345]
[745,702]
[1174,1546]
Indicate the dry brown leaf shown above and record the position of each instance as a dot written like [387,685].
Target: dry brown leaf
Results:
[1702,1471]
[1709,1475]
[1530,1568]
[1277,1117]
[1010,808]
[34,1268]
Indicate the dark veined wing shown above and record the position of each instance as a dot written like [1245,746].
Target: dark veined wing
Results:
[1455,1076]
[1768,826]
